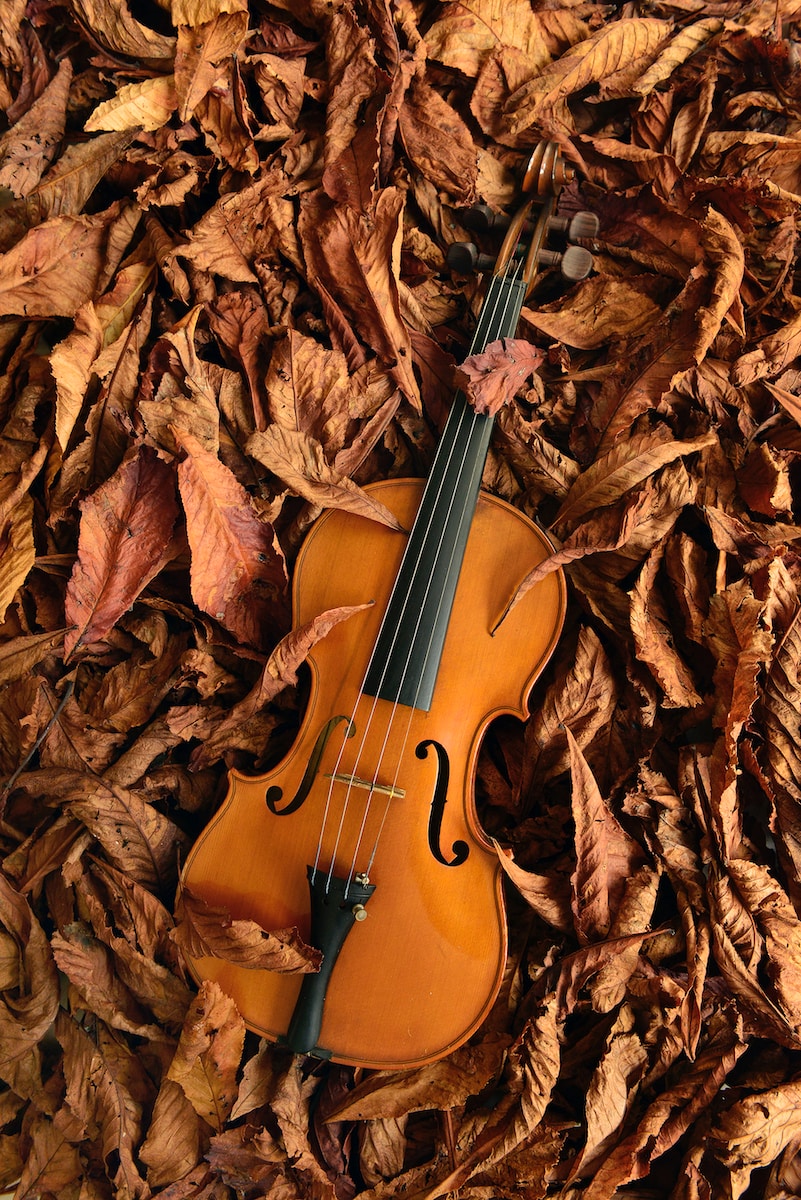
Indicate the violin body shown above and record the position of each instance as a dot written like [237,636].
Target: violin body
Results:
[382,790]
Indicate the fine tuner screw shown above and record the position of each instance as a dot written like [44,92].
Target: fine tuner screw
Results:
[359,912]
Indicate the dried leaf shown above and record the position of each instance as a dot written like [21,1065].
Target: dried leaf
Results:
[208,1054]
[28,148]
[298,460]
[125,540]
[238,573]
[204,929]
[492,377]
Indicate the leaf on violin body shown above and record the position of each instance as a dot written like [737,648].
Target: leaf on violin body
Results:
[492,377]
[30,145]
[208,930]
[298,460]
[238,574]
[280,671]
[125,539]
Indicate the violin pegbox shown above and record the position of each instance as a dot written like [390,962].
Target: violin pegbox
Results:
[525,237]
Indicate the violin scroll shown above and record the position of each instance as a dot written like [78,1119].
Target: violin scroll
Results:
[524,247]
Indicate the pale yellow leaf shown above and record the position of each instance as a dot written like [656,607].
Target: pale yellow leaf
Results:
[147,105]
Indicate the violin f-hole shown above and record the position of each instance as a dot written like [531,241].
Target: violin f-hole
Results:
[275,794]
[459,848]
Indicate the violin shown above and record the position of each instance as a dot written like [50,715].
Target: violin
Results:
[366,836]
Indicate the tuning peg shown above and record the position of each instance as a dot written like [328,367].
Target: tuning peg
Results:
[575,263]
[483,219]
[465,257]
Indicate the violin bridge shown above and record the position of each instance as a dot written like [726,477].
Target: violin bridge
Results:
[383,789]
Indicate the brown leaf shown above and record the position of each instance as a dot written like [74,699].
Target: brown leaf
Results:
[548,895]
[207,930]
[352,266]
[298,460]
[90,968]
[624,45]
[582,696]
[202,46]
[653,638]
[17,551]
[125,540]
[438,142]
[106,1090]
[208,1054]
[493,376]
[238,572]
[623,467]
[174,1142]
[444,1084]
[29,1005]
[58,266]
[280,672]
[658,360]
[754,1130]
[28,148]
[117,30]
[464,34]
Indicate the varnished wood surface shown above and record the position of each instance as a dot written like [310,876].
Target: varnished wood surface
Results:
[418,976]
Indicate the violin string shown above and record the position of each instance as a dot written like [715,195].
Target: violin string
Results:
[468,416]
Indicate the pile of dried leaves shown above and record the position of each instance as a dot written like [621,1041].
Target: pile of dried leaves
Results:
[225,307]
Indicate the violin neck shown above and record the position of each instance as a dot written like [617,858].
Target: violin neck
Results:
[405,660]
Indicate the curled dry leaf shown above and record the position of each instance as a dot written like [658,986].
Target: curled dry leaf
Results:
[207,1057]
[203,929]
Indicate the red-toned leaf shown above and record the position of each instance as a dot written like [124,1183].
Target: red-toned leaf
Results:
[125,540]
